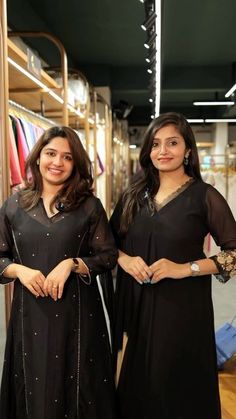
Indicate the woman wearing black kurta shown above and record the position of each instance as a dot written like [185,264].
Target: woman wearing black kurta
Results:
[55,239]
[166,366]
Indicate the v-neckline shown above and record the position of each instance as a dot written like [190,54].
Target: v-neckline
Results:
[173,195]
[45,211]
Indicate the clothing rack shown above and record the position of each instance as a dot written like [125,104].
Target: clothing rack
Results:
[19,110]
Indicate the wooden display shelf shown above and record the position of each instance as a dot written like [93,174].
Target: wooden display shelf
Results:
[28,94]
[17,55]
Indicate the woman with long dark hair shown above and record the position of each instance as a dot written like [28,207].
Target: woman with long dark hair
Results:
[166,356]
[55,240]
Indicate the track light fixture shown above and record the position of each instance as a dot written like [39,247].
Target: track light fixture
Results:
[152,68]
[149,22]
[231,91]
[150,41]
[215,102]
[152,83]
[152,26]
[151,56]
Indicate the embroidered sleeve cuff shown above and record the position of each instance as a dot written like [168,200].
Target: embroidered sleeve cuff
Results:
[226,264]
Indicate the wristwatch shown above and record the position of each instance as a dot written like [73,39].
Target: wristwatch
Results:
[195,268]
[76,264]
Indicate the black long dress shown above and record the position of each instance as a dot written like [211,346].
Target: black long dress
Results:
[169,361]
[58,358]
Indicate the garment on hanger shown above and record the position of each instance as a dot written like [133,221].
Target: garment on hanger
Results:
[22,146]
[25,128]
[15,171]
[29,133]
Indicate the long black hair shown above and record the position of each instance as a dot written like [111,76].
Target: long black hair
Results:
[75,189]
[149,176]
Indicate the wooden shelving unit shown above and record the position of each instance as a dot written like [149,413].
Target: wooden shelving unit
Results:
[25,91]
[43,95]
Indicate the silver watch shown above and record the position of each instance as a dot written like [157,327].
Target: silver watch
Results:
[195,268]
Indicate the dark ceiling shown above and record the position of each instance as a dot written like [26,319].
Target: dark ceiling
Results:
[104,40]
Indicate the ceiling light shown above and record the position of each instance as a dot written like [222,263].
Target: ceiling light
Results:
[209,121]
[195,121]
[220,120]
[149,21]
[230,91]
[214,103]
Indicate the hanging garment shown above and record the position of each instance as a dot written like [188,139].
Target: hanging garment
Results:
[15,172]
[38,131]
[22,146]
[29,133]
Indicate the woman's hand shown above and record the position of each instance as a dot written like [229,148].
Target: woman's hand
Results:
[32,279]
[55,280]
[135,266]
[165,268]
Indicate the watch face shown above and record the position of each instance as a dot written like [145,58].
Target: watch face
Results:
[195,268]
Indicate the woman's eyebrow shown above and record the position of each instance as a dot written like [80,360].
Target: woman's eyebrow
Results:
[168,138]
[53,149]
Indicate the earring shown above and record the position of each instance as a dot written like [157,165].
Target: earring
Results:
[37,162]
[186,160]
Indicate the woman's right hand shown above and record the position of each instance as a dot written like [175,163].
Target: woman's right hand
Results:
[32,279]
[135,266]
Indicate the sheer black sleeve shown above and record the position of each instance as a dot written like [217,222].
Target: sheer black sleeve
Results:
[103,251]
[115,221]
[222,227]
[6,244]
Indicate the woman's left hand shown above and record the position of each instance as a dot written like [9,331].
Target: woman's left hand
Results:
[55,280]
[165,268]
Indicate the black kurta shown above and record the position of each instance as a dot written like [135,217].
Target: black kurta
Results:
[169,366]
[58,357]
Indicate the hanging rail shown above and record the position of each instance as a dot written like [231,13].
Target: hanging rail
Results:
[21,108]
